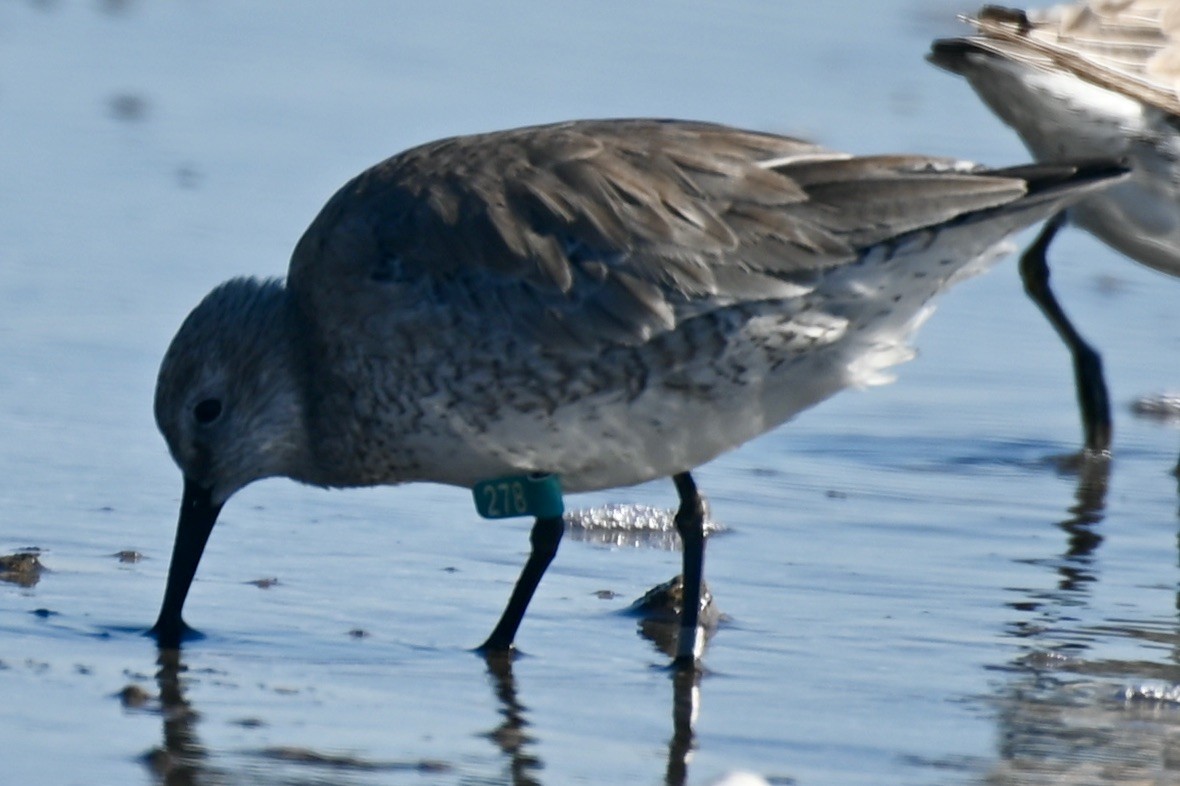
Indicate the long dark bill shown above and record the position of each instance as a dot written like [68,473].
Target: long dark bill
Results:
[198,514]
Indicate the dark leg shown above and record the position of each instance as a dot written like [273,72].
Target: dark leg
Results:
[545,538]
[1087,364]
[690,523]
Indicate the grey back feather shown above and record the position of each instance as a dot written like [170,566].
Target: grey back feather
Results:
[613,231]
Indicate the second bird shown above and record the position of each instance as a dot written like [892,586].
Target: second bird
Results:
[1098,78]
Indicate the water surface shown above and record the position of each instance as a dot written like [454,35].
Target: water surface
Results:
[914,592]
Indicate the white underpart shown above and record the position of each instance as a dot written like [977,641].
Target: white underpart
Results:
[1060,116]
[849,332]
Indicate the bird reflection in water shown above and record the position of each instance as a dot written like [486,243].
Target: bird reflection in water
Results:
[658,613]
[510,736]
[182,760]
[1085,699]
[1088,510]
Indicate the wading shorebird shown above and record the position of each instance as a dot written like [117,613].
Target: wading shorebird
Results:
[1097,79]
[573,307]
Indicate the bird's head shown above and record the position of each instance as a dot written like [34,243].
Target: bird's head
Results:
[230,406]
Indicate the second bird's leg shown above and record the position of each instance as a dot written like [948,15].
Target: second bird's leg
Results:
[1087,363]
[690,523]
[545,538]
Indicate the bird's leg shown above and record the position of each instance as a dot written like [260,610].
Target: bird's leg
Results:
[690,523]
[1087,364]
[545,538]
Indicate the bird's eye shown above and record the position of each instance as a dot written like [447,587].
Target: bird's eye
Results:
[207,411]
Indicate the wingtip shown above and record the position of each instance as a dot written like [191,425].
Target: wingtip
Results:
[1050,174]
[1103,169]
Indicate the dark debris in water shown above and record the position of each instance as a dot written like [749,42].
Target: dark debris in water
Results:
[344,761]
[128,556]
[187,177]
[265,583]
[1110,285]
[22,568]
[128,107]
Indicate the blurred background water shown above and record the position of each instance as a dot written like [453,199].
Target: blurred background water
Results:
[914,591]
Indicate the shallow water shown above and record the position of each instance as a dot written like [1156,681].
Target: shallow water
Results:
[913,591]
